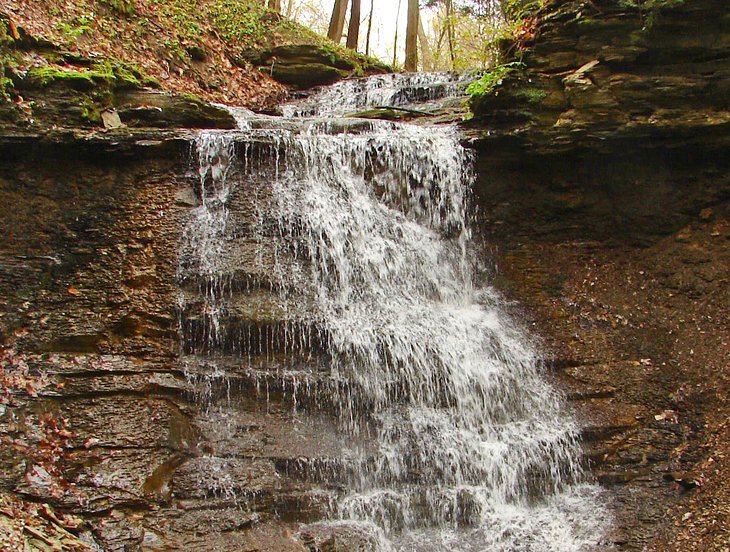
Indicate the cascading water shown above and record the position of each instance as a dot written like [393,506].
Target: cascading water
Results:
[456,441]
[427,90]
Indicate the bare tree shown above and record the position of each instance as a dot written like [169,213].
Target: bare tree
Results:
[411,63]
[426,55]
[450,31]
[353,30]
[275,5]
[395,40]
[370,28]
[337,21]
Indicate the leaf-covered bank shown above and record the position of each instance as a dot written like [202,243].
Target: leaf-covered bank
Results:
[204,48]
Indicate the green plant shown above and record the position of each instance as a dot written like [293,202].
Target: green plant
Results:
[650,10]
[81,25]
[237,20]
[531,95]
[518,10]
[490,80]
[175,48]
[182,16]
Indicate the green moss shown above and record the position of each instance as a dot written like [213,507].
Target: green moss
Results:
[590,22]
[52,74]
[9,59]
[489,81]
[105,74]
[531,95]
[122,75]
[192,97]
[91,109]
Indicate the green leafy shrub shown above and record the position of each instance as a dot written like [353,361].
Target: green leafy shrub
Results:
[489,81]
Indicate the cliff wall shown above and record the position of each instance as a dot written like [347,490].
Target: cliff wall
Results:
[603,192]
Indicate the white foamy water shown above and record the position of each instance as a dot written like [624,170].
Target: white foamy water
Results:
[392,90]
[467,447]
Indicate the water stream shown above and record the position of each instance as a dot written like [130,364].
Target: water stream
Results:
[452,439]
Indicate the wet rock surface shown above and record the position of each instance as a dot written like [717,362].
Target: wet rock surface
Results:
[609,225]
[98,416]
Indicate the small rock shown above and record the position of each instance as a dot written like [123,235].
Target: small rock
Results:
[111,119]
[684,480]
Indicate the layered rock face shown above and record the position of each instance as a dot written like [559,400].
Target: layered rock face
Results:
[603,190]
[623,115]
[99,416]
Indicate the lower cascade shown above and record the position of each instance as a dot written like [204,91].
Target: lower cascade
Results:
[368,312]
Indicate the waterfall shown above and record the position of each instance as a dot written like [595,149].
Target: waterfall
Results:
[428,90]
[452,439]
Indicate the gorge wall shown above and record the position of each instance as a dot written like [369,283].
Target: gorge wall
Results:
[100,417]
[603,191]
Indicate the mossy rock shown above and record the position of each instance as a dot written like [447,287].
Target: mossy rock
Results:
[307,65]
[303,54]
[150,108]
[86,75]
[306,75]
[42,77]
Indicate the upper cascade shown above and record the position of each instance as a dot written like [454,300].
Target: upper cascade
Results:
[421,90]
[453,438]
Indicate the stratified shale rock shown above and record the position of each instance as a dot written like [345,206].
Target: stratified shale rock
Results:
[603,187]
[615,125]
[98,415]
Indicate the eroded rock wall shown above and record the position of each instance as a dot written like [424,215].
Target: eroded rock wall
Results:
[99,417]
[615,125]
[603,192]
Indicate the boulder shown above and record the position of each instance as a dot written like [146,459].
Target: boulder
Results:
[151,108]
[307,65]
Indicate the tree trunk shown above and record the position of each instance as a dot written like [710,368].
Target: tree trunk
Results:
[353,31]
[395,40]
[412,37]
[426,55]
[275,5]
[370,28]
[337,21]
[450,31]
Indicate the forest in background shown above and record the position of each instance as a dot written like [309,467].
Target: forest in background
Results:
[437,35]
